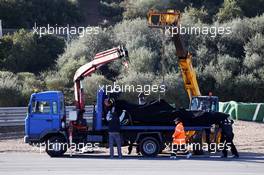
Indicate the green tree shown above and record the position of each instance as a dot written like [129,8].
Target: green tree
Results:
[175,92]
[229,11]
[91,85]
[143,60]
[24,13]
[139,8]
[82,50]
[251,8]
[143,44]
[111,9]
[133,79]
[9,89]
[28,83]
[254,59]
[197,14]
[30,52]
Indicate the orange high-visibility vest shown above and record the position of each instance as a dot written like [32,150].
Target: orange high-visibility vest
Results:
[179,137]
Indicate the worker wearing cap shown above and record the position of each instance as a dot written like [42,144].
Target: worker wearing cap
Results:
[113,127]
[179,139]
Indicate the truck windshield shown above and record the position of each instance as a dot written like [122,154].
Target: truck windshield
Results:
[204,104]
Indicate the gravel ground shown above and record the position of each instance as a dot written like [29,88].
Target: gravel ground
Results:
[249,138]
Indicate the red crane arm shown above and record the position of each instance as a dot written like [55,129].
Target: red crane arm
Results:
[100,59]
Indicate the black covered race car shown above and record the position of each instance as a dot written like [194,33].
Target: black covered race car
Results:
[160,113]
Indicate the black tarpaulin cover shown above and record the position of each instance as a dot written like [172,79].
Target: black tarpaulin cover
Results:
[200,118]
[161,113]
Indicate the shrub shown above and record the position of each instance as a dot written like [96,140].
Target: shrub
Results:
[135,34]
[24,13]
[133,79]
[54,81]
[143,60]
[9,89]
[29,84]
[229,11]
[143,44]
[175,92]
[91,86]
[112,9]
[227,63]
[251,8]
[197,15]
[69,68]
[254,52]
[139,8]
[31,53]
[248,88]
[83,50]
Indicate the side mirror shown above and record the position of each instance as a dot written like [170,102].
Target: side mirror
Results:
[73,115]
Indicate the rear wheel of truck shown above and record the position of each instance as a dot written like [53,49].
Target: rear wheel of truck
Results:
[149,146]
[56,146]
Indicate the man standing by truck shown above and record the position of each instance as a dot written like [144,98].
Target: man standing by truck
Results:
[227,138]
[113,128]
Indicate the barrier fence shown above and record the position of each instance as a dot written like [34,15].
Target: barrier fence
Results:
[243,111]
[15,116]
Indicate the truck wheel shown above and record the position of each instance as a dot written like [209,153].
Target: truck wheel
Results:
[149,147]
[56,146]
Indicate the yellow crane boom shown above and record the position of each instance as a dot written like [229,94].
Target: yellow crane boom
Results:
[171,18]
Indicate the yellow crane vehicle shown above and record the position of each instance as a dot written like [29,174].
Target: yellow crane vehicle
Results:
[169,21]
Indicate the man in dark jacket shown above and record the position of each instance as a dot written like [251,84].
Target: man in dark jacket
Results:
[113,128]
[227,138]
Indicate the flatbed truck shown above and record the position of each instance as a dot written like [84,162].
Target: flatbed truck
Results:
[46,120]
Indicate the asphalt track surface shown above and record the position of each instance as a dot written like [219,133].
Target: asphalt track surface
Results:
[34,163]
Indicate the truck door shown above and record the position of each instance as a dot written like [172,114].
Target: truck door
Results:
[40,119]
[57,115]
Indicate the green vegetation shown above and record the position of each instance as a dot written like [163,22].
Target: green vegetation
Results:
[111,8]
[231,66]
[229,11]
[24,51]
[24,13]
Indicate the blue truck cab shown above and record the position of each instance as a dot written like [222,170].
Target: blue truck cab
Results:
[46,115]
